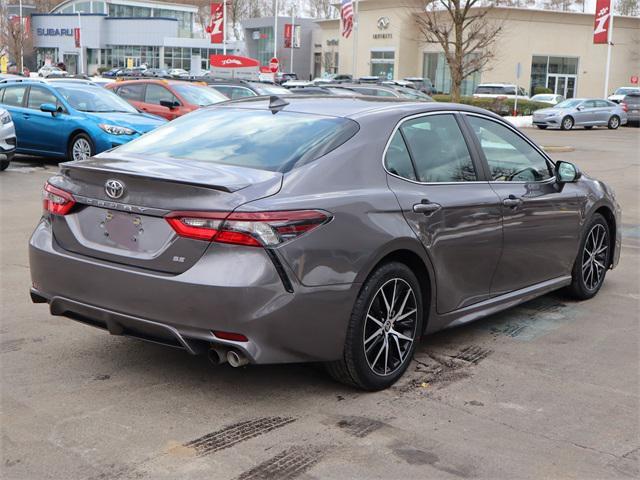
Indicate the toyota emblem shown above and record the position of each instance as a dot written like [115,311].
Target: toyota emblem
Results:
[114,189]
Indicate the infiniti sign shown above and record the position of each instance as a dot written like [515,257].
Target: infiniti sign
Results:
[114,189]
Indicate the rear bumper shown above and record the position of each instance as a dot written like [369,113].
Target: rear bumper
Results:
[222,291]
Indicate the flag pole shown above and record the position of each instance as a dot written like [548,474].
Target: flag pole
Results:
[609,44]
[224,27]
[356,12]
[275,31]
[81,59]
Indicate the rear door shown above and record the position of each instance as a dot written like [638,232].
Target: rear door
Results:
[449,205]
[132,93]
[604,110]
[541,219]
[14,99]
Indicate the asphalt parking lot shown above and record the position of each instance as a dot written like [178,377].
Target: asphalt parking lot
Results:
[549,389]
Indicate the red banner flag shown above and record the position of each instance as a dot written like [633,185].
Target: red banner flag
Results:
[216,25]
[288,35]
[602,21]
[76,36]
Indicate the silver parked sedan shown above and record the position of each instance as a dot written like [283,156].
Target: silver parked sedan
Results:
[328,229]
[581,112]
[7,139]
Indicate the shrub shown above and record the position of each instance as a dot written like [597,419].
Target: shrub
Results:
[101,70]
[540,89]
[501,106]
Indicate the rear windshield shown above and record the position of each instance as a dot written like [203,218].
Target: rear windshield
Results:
[632,99]
[489,90]
[246,138]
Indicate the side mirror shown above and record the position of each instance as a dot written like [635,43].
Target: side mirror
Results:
[169,104]
[579,108]
[567,172]
[49,107]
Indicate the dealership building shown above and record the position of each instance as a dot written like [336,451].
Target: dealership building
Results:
[554,49]
[120,33]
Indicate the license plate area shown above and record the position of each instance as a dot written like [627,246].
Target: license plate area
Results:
[123,230]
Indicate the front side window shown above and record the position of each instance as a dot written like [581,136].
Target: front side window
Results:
[510,157]
[14,95]
[156,94]
[438,149]
[39,96]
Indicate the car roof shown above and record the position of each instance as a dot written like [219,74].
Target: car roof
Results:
[352,106]
[159,81]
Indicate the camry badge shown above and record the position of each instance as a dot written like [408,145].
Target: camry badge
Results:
[114,189]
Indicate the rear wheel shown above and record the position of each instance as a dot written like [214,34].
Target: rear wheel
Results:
[592,262]
[80,147]
[567,123]
[4,164]
[614,122]
[385,324]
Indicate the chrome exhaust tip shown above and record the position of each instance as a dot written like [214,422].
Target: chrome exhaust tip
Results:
[217,356]
[236,359]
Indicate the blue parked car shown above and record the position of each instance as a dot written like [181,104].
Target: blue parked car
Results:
[70,118]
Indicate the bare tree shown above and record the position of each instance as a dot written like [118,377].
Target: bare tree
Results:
[322,9]
[565,5]
[464,31]
[13,36]
[628,7]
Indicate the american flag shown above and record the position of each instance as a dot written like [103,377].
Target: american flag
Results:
[346,13]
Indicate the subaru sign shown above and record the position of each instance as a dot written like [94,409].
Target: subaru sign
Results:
[54,32]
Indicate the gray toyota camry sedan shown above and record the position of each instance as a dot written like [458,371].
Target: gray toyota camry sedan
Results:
[329,229]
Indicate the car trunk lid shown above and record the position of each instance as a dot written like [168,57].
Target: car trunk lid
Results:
[131,228]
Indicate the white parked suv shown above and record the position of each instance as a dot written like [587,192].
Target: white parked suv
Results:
[495,90]
[51,71]
[621,92]
[7,139]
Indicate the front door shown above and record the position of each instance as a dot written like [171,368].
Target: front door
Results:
[586,113]
[564,85]
[541,219]
[456,215]
[44,127]
[156,94]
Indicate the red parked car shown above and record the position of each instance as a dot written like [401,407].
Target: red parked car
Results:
[166,98]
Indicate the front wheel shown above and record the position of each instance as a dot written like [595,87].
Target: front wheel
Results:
[614,122]
[385,324]
[80,148]
[592,262]
[4,164]
[567,123]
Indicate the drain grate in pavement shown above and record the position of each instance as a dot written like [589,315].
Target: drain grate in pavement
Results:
[359,426]
[473,354]
[286,465]
[236,433]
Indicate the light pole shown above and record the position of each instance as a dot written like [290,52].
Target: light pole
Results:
[293,34]
[275,30]
[224,27]
[21,41]
[80,44]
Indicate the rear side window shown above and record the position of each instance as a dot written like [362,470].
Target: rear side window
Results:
[632,99]
[397,160]
[14,95]
[38,96]
[133,92]
[245,137]
[438,149]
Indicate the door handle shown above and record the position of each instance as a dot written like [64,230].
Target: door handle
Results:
[426,207]
[512,201]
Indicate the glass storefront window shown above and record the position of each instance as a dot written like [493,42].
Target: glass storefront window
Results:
[383,63]
[436,69]
[559,74]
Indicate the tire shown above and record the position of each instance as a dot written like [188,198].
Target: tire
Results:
[566,123]
[614,122]
[81,143]
[584,284]
[588,127]
[374,356]
[4,164]
[542,127]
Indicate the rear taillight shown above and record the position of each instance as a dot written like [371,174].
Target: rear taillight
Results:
[624,106]
[56,200]
[254,229]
